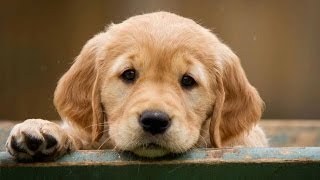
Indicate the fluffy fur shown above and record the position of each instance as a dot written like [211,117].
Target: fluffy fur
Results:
[101,111]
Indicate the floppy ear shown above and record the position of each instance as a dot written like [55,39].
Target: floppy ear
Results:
[77,96]
[238,105]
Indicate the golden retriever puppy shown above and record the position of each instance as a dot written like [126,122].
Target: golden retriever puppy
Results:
[154,84]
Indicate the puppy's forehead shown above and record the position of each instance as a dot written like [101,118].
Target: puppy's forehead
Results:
[160,32]
[163,42]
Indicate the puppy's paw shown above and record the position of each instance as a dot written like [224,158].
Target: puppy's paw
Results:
[38,140]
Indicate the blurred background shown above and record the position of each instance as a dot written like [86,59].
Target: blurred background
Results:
[277,41]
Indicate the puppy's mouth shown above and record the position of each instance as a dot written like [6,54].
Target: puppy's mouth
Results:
[151,150]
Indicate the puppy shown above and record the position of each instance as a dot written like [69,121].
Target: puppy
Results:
[154,84]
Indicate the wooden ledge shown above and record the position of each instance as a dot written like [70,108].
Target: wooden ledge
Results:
[266,163]
[197,156]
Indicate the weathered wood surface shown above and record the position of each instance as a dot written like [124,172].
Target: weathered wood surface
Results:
[196,156]
[262,163]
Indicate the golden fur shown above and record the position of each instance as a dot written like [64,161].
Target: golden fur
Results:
[101,111]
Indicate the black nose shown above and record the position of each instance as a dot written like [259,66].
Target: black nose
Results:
[154,122]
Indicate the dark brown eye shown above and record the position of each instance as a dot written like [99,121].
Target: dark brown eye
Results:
[187,81]
[129,75]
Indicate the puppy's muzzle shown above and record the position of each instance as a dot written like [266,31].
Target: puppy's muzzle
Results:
[154,122]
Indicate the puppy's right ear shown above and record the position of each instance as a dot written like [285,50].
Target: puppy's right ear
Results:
[77,96]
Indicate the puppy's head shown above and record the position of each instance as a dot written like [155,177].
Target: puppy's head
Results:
[160,83]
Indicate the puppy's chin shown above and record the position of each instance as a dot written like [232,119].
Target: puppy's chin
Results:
[151,151]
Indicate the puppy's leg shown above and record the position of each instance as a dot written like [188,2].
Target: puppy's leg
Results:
[39,140]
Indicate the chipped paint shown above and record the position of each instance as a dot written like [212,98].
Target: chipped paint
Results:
[274,154]
[198,156]
[227,163]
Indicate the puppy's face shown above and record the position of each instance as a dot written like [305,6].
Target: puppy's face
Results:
[161,83]
[155,87]
[156,97]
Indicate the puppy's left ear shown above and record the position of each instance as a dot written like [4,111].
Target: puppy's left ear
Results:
[238,105]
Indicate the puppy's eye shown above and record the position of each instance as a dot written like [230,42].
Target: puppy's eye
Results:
[129,75]
[187,81]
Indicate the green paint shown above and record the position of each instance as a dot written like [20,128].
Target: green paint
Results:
[262,163]
[182,171]
[224,155]
[285,154]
